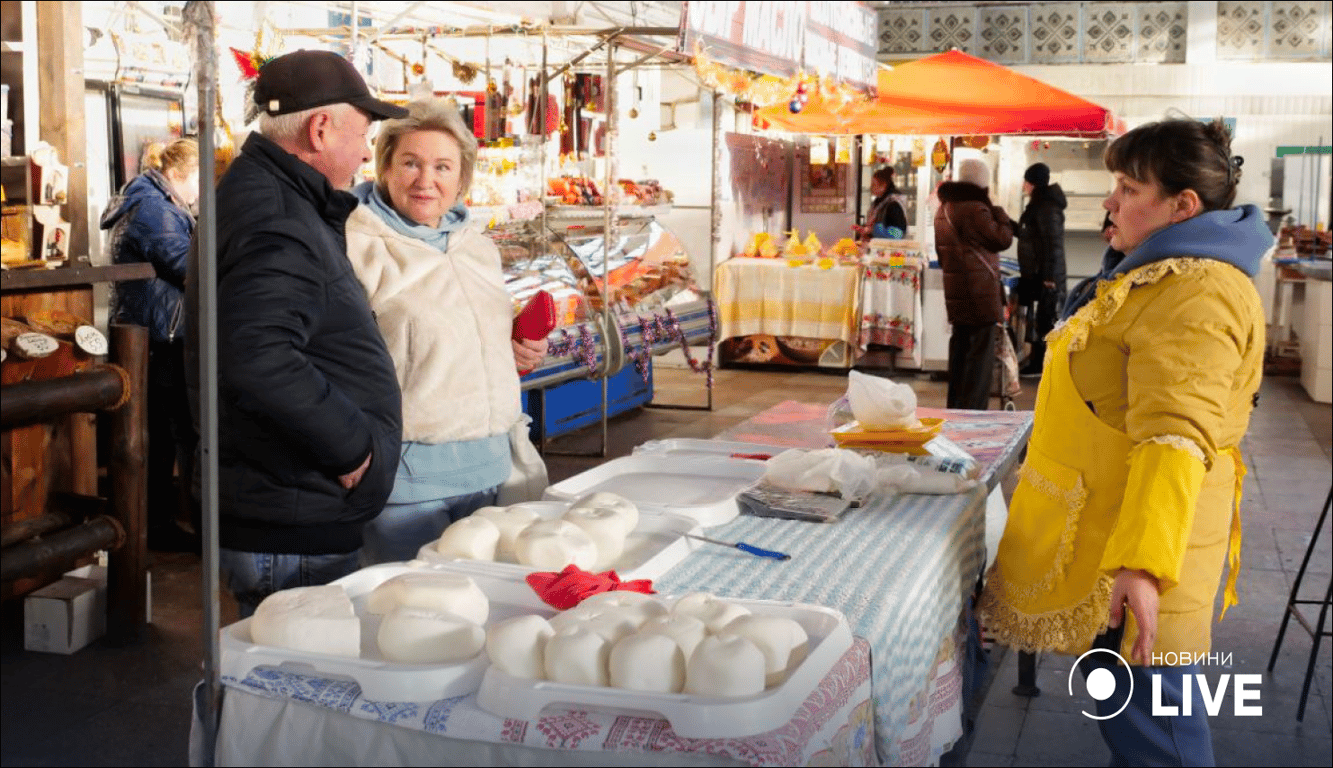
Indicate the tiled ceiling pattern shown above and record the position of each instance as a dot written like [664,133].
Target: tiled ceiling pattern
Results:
[1102,32]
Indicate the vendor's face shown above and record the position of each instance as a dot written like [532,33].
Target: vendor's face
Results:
[1138,209]
[877,187]
[424,176]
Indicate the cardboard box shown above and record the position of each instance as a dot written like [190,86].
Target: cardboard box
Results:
[67,615]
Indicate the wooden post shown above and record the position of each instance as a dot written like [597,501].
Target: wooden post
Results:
[61,89]
[127,580]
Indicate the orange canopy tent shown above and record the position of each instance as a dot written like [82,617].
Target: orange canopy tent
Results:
[953,94]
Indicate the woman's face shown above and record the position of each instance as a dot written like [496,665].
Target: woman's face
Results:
[424,175]
[877,187]
[1138,209]
[185,185]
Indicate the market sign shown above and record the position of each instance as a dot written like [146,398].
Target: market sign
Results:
[836,40]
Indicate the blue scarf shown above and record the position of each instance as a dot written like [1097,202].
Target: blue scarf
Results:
[1237,236]
[452,220]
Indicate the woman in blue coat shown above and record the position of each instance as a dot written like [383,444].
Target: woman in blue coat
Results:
[151,222]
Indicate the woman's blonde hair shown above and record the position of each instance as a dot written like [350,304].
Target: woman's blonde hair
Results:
[180,155]
[426,115]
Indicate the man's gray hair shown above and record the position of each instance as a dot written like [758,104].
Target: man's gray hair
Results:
[288,128]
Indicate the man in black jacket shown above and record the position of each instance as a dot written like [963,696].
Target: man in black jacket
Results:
[1041,258]
[309,411]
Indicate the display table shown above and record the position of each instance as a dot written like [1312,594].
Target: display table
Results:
[900,570]
[797,306]
[811,316]
[284,717]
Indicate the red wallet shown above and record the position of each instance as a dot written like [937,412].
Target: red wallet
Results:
[536,320]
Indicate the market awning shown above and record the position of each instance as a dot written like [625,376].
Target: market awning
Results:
[954,94]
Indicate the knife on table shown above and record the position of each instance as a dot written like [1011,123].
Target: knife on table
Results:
[742,546]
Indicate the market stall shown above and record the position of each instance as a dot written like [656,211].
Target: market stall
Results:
[907,612]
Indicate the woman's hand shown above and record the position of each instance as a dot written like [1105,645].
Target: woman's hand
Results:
[1138,589]
[528,353]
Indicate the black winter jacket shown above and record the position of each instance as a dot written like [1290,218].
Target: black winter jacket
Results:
[148,226]
[969,234]
[306,385]
[1041,242]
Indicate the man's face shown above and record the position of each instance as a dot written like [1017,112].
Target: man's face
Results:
[344,148]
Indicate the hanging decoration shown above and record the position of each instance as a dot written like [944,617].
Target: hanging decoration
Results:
[939,156]
[819,154]
[843,151]
[769,90]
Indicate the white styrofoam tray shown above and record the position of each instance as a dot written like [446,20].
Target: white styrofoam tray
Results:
[703,489]
[692,446]
[651,549]
[380,679]
[691,715]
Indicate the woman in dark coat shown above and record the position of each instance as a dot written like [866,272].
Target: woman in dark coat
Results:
[969,234]
[1041,257]
[888,215]
[151,222]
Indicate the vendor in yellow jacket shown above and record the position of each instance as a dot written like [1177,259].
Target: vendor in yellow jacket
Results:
[1130,494]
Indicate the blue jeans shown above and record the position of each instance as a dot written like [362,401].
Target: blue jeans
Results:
[253,576]
[1135,736]
[401,529]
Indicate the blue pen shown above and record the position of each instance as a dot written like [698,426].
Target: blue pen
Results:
[742,546]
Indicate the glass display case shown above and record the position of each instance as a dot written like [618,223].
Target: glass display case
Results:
[647,279]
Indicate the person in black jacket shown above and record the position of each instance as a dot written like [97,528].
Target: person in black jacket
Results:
[150,223]
[888,215]
[1041,257]
[309,410]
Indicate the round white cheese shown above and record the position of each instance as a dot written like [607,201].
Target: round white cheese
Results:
[518,645]
[472,538]
[431,591]
[310,619]
[647,662]
[725,665]
[417,636]
[550,545]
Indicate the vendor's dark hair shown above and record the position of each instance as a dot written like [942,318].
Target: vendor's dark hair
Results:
[1180,155]
[885,175]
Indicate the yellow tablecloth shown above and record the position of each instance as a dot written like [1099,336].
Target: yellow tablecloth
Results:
[768,296]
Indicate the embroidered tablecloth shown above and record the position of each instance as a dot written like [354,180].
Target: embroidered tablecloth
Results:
[280,716]
[766,296]
[891,302]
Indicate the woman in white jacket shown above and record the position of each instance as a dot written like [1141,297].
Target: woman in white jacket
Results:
[438,292]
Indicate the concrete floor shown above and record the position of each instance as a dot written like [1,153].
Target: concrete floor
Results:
[131,705]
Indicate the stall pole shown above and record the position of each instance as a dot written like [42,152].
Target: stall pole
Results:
[609,232]
[202,15]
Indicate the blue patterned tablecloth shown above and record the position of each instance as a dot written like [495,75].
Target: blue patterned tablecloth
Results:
[899,569]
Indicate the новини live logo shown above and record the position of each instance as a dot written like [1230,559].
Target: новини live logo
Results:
[1102,685]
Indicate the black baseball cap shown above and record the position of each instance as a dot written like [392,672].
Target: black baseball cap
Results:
[308,79]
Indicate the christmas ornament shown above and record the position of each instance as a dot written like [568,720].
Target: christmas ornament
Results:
[633,113]
[652,135]
[418,69]
[795,106]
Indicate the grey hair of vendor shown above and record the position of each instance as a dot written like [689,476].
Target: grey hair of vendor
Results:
[426,115]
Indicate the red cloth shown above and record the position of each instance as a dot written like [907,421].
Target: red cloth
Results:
[571,586]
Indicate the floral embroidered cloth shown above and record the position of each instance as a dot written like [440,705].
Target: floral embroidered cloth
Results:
[891,302]
[285,716]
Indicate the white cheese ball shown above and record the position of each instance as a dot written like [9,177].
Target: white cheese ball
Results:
[725,665]
[607,500]
[518,645]
[416,636]
[432,591]
[606,528]
[311,619]
[647,662]
[510,520]
[579,656]
[714,612]
[783,642]
[550,545]
[472,538]
[686,631]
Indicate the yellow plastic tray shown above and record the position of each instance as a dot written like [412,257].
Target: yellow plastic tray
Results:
[851,435]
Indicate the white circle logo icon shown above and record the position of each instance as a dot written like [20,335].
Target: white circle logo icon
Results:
[1101,682]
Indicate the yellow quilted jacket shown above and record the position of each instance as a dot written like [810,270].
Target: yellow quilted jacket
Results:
[1133,462]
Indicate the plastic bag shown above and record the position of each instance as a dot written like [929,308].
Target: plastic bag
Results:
[827,470]
[527,478]
[878,403]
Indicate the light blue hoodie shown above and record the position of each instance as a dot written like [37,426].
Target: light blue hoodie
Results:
[1237,236]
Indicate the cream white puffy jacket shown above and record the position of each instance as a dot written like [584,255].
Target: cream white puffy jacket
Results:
[446,318]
